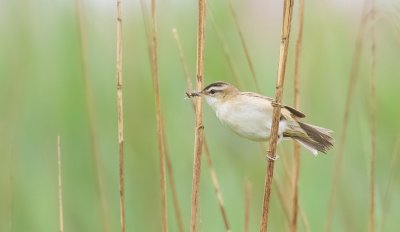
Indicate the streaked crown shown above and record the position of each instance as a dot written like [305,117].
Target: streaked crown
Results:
[219,88]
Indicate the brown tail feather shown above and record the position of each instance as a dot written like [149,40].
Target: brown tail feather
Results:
[317,138]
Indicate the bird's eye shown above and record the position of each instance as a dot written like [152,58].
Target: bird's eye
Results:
[212,91]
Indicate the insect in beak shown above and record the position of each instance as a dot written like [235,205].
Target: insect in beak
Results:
[193,94]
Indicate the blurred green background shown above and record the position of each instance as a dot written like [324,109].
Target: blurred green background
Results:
[43,95]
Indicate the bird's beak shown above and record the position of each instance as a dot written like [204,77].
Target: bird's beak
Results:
[193,94]
[196,94]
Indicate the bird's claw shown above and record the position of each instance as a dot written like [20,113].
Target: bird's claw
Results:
[275,104]
[272,158]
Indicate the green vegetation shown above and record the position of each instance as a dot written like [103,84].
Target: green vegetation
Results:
[43,95]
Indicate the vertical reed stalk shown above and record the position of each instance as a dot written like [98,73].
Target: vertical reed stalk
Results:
[394,21]
[91,117]
[60,201]
[185,67]
[227,52]
[247,200]
[353,77]
[287,19]
[10,201]
[244,45]
[164,151]
[304,220]
[199,130]
[213,173]
[171,181]
[217,190]
[295,210]
[282,198]
[160,131]
[286,205]
[386,201]
[120,117]
[373,119]
[146,27]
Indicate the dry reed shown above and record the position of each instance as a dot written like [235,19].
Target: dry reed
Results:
[91,116]
[295,203]
[301,213]
[146,27]
[160,131]
[373,119]
[247,200]
[286,207]
[225,48]
[287,19]
[217,190]
[8,186]
[11,202]
[386,201]
[304,220]
[244,45]
[199,130]
[171,178]
[393,19]
[185,67]
[213,173]
[251,67]
[353,77]
[60,199]
[120,114]
[283,199]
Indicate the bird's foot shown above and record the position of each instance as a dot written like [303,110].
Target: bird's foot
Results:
[275,104]
[272,158]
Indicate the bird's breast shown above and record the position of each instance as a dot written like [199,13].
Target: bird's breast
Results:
[248,120]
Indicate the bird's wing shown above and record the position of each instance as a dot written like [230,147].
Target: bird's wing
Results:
[295,112]
[290,109]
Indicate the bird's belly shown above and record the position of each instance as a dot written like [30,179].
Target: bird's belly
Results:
[253,125]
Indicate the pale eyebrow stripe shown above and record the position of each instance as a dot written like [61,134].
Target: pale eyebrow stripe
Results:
[218,89]
[217,84]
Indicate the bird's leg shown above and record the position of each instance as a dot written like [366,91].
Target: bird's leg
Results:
[280,137]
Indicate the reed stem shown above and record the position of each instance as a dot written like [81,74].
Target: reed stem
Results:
[160,129]
[353,78]
[199,130]
[60,199]
[373,119]
[293,226]
[287,19]
[211,168]
[120,113]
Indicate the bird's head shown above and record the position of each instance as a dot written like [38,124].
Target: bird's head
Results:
[217,92]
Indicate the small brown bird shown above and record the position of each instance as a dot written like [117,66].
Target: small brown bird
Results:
[250,115]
